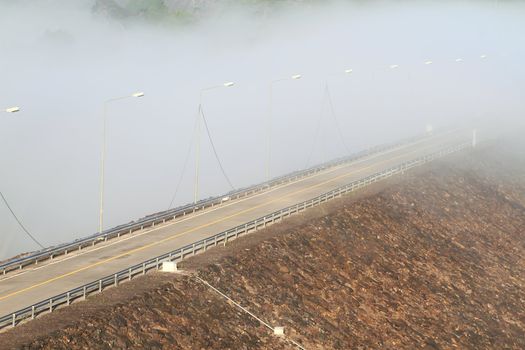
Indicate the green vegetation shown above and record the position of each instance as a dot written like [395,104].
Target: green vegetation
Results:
[155,11]
[173,12]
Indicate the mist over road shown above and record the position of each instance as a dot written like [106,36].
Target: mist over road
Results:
[59,61]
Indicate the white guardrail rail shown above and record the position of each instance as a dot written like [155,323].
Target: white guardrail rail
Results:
[162,217]
[80,293]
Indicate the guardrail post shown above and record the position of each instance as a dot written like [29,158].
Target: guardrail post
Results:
[401,168]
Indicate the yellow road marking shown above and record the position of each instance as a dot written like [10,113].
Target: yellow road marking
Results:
[221,207]
[200,227]
[207,211]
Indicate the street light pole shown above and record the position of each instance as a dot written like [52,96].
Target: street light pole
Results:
[4,199]
[429,128]
[198,137]
[103,155]
[347,71]
[269,122]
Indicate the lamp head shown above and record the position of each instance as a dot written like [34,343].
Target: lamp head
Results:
[12,109]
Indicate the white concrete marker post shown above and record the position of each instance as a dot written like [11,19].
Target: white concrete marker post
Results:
[278,331]
[474,138]
[169,266]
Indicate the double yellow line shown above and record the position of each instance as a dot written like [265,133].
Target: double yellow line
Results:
[135,250]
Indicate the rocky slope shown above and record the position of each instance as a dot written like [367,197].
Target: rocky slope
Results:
[434,261]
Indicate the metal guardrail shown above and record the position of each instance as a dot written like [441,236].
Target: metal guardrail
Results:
[168,215]
[177,255]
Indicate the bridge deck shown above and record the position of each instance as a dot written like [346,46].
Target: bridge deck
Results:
[58,276]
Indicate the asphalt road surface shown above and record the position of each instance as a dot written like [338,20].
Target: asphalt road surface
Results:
[36,283]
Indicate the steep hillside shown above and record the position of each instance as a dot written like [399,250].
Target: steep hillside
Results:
[434,260]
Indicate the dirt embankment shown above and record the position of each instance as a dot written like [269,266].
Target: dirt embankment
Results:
[435,261]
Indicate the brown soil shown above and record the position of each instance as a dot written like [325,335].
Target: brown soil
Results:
[434,261]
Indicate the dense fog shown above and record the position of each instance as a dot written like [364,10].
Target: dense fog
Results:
[456,64]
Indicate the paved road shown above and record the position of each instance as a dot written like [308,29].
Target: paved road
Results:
[37,283]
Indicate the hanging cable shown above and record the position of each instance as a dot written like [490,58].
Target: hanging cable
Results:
[19,222]
[184,166]
[233,302]
[337,125]
[214,150]
[327,98]
[317,131]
